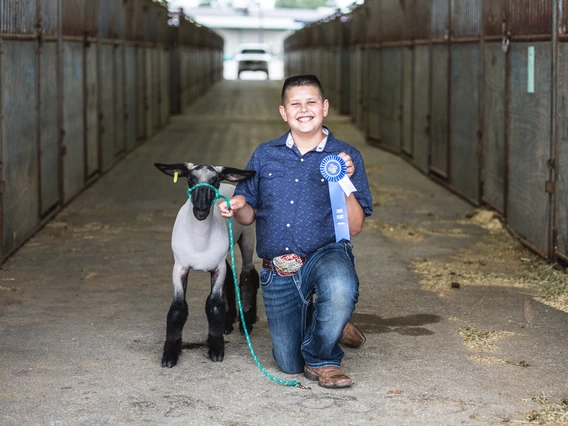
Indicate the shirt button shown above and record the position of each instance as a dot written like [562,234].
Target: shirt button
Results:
[301,159]
[292,202]
[287,249]
[288,225]
[269,174]
[296,180]
[322,180]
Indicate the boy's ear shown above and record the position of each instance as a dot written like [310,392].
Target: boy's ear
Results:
[235,175]
[283,113]
[171,169]
[325,107]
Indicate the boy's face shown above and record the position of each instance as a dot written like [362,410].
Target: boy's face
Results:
[304,109]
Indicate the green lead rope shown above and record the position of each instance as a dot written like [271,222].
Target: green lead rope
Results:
[218,195]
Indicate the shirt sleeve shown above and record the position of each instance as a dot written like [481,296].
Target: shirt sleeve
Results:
[248,188]
[361,183]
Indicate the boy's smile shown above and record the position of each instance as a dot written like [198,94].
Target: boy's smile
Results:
[304,110]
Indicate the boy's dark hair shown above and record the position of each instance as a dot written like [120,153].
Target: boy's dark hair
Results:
[301,80]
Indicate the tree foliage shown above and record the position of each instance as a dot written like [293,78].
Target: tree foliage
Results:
[301,4]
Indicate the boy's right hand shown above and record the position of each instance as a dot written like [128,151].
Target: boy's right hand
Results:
[237,203]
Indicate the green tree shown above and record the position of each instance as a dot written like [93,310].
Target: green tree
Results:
[301,4]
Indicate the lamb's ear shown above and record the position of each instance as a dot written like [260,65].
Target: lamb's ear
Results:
[234,175]
[171,169]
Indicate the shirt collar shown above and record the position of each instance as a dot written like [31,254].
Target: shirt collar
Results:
[319,148]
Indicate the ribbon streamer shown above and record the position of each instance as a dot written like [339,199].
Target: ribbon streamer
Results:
[334,170]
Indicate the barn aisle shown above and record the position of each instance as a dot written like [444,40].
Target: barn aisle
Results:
[455,333]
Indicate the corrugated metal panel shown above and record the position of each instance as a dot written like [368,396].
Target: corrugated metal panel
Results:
[74,158]
[358,26]
[19,149]
[373,19]
[17,17]
[440,109]
[531,17]
[494,127]
[418,20]
[48,10]
[141,91]
[464,113]
[134,19]
[113,25]
[466,18]
[390,94]
[421,107]
[392,21]
[440,19]
[49,125]
[118,100]
[529,143]
[73,16]
[495,17]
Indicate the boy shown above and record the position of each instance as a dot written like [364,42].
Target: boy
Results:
[308,279]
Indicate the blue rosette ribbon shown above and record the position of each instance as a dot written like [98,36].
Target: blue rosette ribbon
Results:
[334,170]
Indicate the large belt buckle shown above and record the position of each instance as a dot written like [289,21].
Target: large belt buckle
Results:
[287,264]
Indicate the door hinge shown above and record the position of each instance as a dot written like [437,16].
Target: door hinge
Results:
[549,187]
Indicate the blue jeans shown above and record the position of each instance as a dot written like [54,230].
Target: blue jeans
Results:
[307,311]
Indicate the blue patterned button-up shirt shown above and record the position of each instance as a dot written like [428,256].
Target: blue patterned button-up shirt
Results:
[292,198]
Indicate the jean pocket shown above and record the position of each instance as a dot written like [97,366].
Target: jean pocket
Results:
[266,276]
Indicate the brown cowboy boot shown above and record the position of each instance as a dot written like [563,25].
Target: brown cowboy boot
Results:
[352,337]
[328,377]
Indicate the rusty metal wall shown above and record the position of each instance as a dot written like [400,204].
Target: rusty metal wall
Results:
[85,81]
[466,92]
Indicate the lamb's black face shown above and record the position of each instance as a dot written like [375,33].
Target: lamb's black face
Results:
[202,197]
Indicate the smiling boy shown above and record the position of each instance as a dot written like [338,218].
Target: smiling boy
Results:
[308,279]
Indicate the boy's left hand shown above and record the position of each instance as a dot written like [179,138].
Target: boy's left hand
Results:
[348,163]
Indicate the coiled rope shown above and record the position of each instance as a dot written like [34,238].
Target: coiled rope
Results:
[293,383]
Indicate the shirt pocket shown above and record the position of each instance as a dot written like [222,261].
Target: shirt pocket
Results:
[272,182]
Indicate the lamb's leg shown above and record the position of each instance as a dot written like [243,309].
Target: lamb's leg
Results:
[177,316]
[230,306]
[248,280]
[215,309]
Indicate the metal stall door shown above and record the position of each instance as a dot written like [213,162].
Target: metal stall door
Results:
[390,97]
[407,94]
[561,147]
[495,54]
[464,130]
[440,104]
[108,105]
[372,89]
[529,122]
[49,126]
[530,132]
[73,119]
[465,89]
[91,110]
[421,107]
[19,153]
[130,96]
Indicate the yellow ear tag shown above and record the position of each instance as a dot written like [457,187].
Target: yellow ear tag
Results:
[175,177]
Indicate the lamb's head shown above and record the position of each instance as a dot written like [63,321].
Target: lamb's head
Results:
[202,197]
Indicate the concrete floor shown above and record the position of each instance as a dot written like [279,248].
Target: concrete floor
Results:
[83,305]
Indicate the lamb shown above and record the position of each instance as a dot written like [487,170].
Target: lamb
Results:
[200,241]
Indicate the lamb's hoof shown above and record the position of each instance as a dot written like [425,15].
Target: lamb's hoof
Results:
[216,348]
[250,319]
[172,351]
[228,328]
